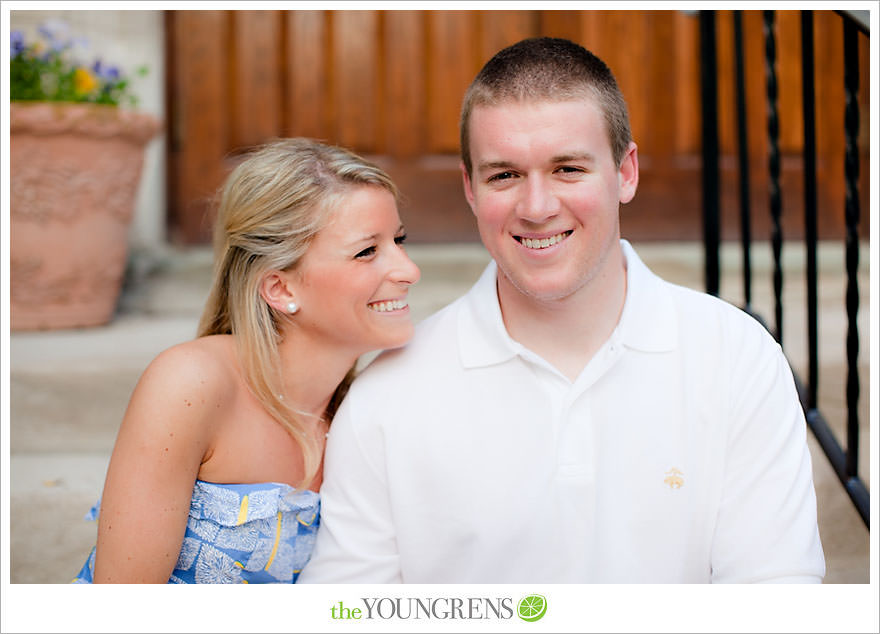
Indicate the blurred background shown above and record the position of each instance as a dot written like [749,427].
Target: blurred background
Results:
[389,85]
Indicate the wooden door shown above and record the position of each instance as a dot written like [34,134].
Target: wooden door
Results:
[389,85]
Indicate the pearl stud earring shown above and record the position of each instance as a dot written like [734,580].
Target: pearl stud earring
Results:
[292,307]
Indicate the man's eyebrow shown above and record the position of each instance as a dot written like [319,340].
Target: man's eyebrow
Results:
[495,165]
[579,156]
[559,158]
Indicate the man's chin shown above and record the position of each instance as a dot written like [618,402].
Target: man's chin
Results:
[543,289]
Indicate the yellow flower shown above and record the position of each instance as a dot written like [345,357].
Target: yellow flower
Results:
[83,81]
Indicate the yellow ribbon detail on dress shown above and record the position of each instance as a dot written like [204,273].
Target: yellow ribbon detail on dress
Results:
[275,547]
[242,511]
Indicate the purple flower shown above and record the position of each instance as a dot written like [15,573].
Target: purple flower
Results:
[16,43]
[58,36]
[109,73]
[54,32]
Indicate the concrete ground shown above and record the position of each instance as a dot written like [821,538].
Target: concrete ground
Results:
[69,388]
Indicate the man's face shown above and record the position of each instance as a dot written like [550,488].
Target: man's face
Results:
[545,191]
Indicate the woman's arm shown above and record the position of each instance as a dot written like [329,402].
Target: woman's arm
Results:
[163,439]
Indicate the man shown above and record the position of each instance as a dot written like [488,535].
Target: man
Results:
[572,418]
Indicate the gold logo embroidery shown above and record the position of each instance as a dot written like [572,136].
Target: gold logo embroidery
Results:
[674,478]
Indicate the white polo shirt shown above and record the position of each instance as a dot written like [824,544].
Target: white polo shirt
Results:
[678,455]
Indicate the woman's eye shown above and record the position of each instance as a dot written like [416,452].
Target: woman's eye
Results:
[400,239]
[366,252]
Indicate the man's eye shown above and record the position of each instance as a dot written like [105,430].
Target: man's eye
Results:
[501,176]
[366,252]
[569,169]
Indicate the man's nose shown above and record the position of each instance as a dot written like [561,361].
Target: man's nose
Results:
[539,202]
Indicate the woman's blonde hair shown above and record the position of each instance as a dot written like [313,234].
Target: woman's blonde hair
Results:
[271,207]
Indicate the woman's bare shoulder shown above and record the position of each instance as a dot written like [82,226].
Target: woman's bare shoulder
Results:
[172,416]
[207,365]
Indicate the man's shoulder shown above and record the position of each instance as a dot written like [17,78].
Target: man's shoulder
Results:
[699,304]
[697,316]
[707,320]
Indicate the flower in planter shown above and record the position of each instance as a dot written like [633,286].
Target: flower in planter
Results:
[48,70]
[75,160]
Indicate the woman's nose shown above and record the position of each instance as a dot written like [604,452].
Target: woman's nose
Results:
[405,270]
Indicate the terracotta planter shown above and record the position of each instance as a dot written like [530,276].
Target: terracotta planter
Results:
[74,173]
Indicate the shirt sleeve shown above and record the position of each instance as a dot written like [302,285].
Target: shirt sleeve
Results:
[356,541]
[766,529]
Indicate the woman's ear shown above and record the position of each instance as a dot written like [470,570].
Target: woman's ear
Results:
[276,289]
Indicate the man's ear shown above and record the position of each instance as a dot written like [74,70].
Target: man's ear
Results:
[466,182]
[628,174]
[276,288]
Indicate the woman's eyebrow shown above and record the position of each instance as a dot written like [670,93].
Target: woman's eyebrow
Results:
[372,237]
[363,239]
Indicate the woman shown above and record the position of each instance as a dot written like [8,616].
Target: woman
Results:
[216,466]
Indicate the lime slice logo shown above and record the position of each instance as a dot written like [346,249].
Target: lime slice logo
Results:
[532,607]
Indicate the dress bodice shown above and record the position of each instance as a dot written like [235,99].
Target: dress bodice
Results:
[241,533]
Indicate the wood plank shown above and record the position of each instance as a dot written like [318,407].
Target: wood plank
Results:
[307,104]
[634,82]
[726,82]
[610,28]
[500,29]
[656,100]
[200,120]
[687,83]
[453,61]
[830,117]
[256,77]
[564,24]
[356,76]
[789,80]
[406,82]
[589,27]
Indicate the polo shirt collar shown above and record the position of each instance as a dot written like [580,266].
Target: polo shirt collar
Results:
[482,337]
[647,322]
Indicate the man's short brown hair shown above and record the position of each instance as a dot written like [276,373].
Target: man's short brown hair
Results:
[547,69]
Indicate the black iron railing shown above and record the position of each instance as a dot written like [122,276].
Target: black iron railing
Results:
[845,462]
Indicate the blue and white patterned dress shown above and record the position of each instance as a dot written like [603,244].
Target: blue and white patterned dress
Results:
[241,533]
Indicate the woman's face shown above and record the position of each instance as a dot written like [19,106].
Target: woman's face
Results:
[352,283]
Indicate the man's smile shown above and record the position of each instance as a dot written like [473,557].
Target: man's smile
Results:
[542,243]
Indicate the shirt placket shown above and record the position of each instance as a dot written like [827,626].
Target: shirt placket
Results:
[578,429]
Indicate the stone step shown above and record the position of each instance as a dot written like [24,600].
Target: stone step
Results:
[69,388]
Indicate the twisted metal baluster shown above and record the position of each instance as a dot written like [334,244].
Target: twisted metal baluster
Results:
[773,158]
[851,85]
[810,209]
[743,147]
[711,177]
